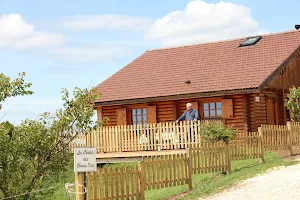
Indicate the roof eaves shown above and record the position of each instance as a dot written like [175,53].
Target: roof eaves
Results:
[177,97]
[279,69]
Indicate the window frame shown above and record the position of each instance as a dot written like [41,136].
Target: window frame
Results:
[210,109]
[143,116]
[245,43]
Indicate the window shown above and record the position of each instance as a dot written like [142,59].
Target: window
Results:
[139,116]
[250,41]
[212,109]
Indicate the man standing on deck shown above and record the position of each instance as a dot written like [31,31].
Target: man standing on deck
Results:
[189,115]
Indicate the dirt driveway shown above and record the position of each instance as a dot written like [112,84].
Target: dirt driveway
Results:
[282,183]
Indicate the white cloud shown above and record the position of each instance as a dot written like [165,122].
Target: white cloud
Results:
[83,54]
[202,22]
[16,33]
[106,21]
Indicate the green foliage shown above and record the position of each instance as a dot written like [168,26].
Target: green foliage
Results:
[12,88]
[216,132]
[35,153]
[293,104]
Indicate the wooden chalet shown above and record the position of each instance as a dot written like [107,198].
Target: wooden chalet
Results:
[243,81]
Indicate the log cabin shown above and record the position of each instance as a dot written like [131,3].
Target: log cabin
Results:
[243,81]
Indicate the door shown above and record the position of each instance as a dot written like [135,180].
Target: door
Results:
[271,111]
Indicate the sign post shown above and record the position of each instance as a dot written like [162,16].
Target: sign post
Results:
[85,159]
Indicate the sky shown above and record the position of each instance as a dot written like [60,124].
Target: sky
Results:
[68,44]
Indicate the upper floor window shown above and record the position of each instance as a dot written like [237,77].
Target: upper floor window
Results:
[139,116]
[212,109]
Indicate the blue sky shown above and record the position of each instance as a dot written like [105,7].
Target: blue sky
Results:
[67,44]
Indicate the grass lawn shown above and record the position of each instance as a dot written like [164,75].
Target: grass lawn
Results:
[203,184]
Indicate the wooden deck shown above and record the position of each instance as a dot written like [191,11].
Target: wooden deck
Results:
[136,156]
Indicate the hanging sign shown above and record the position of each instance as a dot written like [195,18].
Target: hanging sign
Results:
[85,159]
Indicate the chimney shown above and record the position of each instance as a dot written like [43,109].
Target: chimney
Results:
[297,26]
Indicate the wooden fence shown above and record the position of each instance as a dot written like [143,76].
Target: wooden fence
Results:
[246,146]
[295,129]
[210,157]
[162,171]
[164,136]
[167,171]
[80,141]
[276,137]
[169,136]
[154,172]
[114,183]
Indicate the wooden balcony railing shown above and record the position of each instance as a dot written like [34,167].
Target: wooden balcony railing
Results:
[158,136]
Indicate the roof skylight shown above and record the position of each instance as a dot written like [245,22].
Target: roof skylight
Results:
[250,41]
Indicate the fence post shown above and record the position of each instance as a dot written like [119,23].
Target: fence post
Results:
[290,137]
[79,178]
[228,158]
[141,177]
[262,153]
[189,168]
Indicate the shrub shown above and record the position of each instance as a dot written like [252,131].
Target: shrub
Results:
[293,104]
[216,132]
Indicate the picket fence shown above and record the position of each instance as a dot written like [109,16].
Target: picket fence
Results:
[162,171]
[246,146]
[159,171]
[154,172]
[128,138]
[170,136]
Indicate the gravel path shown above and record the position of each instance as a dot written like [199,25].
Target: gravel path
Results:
[282,183]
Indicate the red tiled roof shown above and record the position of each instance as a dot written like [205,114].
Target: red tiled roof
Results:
[215,66]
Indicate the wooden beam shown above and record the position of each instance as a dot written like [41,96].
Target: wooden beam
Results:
[284,109]
[174,110]
[99,114]
[138,154]
[119,160]
[178,97]
[245,113]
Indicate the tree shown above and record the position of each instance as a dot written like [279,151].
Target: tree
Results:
[13,88]
[38,150]
[293,103]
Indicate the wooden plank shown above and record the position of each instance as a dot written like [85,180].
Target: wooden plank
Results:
[111,185]
[106,183]
[132,183]
[122,182]
[166,163]
[127,177]
[162,169]
[227,108]
[94,175]
[132,147]
[152,161]
[151,114]
[121,116]
[148,173]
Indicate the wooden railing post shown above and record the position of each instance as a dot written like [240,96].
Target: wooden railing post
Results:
[262,153]
[141,177]
[228,158]
[189,168]
[290,137]
[79,179]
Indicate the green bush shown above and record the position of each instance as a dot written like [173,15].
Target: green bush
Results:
[216,132]
[293,104]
